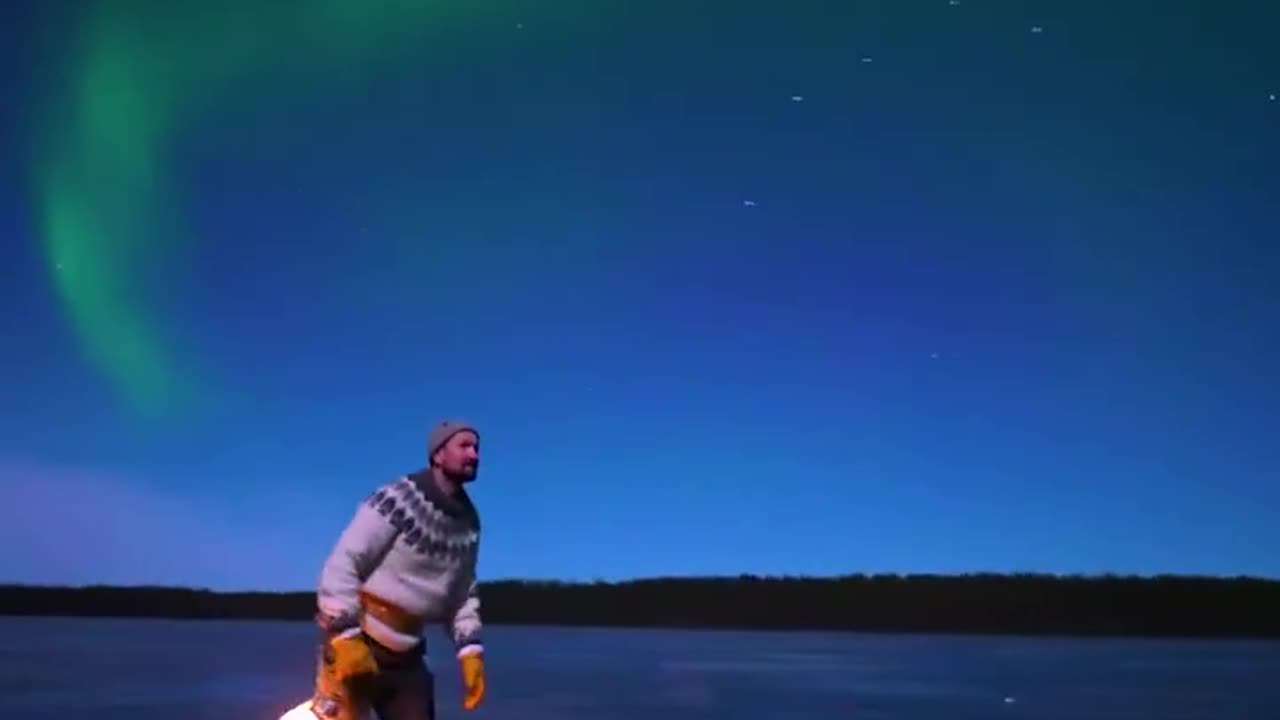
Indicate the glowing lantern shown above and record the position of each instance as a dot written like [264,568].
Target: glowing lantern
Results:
[302,711]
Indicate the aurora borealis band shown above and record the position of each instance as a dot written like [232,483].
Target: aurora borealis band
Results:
[110,211]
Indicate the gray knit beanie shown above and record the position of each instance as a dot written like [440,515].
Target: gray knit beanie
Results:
[444,430]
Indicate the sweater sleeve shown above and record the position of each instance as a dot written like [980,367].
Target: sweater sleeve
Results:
[353,558]
[464,623]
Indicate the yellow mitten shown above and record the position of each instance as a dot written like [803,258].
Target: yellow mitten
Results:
[344,659]
[348,656]
[472,680]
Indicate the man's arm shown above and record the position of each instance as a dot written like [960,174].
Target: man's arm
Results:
[357,552]
[465,625]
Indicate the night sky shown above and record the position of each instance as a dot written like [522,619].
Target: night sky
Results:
[804,288]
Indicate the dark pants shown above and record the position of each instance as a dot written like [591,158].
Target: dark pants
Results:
[403,689]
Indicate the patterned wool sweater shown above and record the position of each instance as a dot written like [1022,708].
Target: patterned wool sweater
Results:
[410,544]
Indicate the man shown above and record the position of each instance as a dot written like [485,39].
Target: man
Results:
[408,557]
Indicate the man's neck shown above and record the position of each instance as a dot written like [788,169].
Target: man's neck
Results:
[447,485]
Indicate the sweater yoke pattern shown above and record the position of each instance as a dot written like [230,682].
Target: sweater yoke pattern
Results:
[423,527]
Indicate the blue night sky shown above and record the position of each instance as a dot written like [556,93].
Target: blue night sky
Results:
[809,288]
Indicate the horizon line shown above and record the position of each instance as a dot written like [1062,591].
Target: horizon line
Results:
[721,577]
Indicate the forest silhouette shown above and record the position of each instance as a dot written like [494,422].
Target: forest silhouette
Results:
[1164,605]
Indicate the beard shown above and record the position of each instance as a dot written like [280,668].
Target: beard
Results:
[464,473]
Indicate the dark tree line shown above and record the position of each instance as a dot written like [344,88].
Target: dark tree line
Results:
[982,603]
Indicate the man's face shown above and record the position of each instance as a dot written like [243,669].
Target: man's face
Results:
[459,457]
